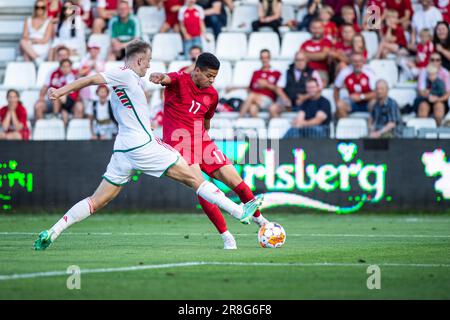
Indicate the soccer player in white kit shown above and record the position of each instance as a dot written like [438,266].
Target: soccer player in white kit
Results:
[135,147]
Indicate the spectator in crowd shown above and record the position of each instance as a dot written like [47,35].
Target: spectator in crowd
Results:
[427,18]
[330,30]
[314,116]
[69,32]
[359,45]
[444,7]
[105,11]
[312,13]
[441,42]
[295,84]
[37,34]
[392,36]
[143,3]
[85,12]
[317,50]
[54,8]
[429,100]
[215,15]
[404,9]
[103,125]
[91,64]
[65,105]
[194,52]
[343,49]
[13,118]
[269,15]
[385,120]
[337,6]
[123,28]
[349,17]
[171,8]
[412,68]
[358,79]
[192,24]
[263,89]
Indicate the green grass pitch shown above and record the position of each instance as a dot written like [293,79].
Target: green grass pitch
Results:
[325,257]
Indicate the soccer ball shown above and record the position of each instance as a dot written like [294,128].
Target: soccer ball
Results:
[271,235]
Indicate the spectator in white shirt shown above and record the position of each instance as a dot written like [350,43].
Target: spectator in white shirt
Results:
[427,18]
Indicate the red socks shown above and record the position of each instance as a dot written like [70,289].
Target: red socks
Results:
[246,195]
[214,214]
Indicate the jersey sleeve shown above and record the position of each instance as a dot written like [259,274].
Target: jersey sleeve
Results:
[174,77]
[212,108]
[117,77]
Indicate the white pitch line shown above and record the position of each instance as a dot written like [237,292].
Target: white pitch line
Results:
[237,234]
[205,263]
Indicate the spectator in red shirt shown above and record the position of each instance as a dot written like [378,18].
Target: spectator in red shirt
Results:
[66,104]
[337,6]
[330,30]
[359,80]
[425,48]
[349,17]
[404,9]
[392,35]
[54,8]
[171,8]
[343,49]
[13,118]
[317,50]
[359,45]
[444,8]
[192,24]
[263,89]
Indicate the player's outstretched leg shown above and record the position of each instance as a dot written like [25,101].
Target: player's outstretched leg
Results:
[228,175]
[80,211]
[183,173]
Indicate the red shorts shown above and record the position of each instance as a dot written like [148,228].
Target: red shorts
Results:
[209,157]
[172,19]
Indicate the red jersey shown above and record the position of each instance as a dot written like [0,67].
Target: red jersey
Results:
[21,114]
[191,18]
[330,30]
[58,80]
[424,52]
[357,83]
[341,46]
[272,76]
[185,109]
[444,8]
[379,3]
[356,27]
[316,46]
[53,13]
[172,17]
[401,6]
[399,34]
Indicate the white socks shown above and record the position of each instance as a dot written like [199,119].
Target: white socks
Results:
[212,194]
[78,212]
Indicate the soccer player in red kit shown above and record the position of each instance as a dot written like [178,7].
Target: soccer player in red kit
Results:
[190,103]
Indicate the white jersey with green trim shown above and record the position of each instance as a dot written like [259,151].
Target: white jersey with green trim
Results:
[130,108]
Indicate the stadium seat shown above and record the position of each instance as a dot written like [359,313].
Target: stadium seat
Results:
[287,12]
[296,3]
[263,40]
[231,46]
[289,115]
[155,66]
[167,46]
[151,18]
[29,99]
[227,115]
[403,96]
[209,43]
[351,128]
[220,123]
[11,28]
[221,134]
[422,123]
[49,129]
[3,99]
[79,129]
[44,71]
[242,18]
[243,71]
[280,65]
[360,115]
[328,94]
[176,65]
[292,42]
[224,76]
[104,41]
[385,69]
[251,128]
[278,128]
[7,54]
[20,75]
[371,39]
[155,99]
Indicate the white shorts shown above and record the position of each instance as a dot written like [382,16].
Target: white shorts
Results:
[154,159]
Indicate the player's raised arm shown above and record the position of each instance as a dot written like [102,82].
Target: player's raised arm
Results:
[160,78]
[81,83]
